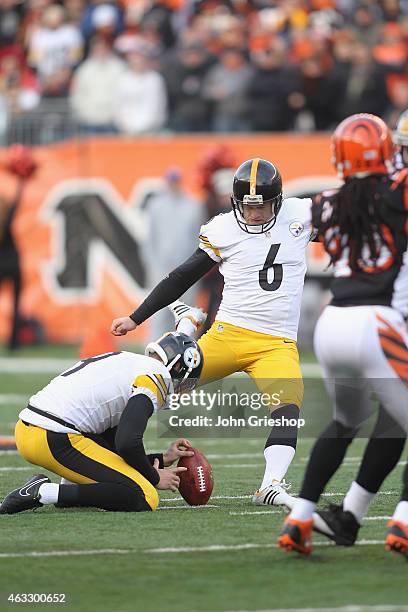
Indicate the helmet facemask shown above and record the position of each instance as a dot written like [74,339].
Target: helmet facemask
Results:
[182,357]
[255,200]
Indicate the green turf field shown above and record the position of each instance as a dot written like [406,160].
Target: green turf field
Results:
[219,557]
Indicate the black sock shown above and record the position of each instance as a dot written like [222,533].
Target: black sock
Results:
[325,459]
[105,495]
[285,434]
[382,452]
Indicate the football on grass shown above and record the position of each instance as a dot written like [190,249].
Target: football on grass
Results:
[196,484]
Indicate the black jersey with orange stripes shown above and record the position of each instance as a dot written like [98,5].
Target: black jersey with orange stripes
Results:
[384,282]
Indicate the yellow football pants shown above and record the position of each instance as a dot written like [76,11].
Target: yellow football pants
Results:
[270,361]
[78,459]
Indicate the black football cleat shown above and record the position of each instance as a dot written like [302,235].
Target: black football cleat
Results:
[24,498]
[337,524]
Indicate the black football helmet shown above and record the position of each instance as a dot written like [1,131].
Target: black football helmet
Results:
[182,357]
[256,182]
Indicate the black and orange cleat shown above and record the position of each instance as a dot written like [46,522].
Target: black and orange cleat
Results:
[296,535]
[397,537]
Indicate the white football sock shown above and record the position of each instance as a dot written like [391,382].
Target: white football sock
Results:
[186,326]
[48,493]
[401,512]
[303,509]
[357,501]
[278,458]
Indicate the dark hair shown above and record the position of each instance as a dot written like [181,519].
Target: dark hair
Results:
[359,211]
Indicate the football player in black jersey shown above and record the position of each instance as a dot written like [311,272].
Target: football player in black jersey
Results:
[363,226]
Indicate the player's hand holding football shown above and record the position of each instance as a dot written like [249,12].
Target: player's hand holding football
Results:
[169,479]
[122,325]
[179,448]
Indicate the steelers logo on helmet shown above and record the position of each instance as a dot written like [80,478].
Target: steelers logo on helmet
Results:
[192,357]
[257,183]
[182,357]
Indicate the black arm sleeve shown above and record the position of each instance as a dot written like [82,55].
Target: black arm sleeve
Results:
[129,436]
[174,285]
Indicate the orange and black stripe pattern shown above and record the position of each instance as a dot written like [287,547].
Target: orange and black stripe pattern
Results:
[394,349]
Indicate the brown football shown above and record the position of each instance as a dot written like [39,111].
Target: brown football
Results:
[196,484]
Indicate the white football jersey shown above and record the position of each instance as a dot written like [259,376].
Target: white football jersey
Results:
[93,393]
[263,273]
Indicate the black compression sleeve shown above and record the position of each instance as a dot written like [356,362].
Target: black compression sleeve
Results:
[174,285]
[129,436]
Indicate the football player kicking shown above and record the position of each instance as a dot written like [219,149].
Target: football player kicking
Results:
[87,426]
[364,229]
[260,249]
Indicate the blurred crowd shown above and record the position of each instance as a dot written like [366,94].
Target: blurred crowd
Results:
[147,66]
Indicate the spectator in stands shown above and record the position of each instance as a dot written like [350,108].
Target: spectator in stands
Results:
[291,45]
[137,37]
[364,87]
[391,9]
[365,23]
[19,87]
[93,88]
[321,88]
[102,18]
[225,86]
[74,10]
[158,16]
[11,15]
[398,101]
[271,89]
[56,45]
[185,79]
[171,213]
[140,97]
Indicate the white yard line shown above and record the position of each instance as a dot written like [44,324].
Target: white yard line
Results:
[49,364]
[168,499]
[249,512]
[33,365]
[241,465]
[212,456]
[16,469]
[68,553]
[332,494]
[185,549]
[248,546]
[339,494]
[187,507]
[13,398]
[349,608]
